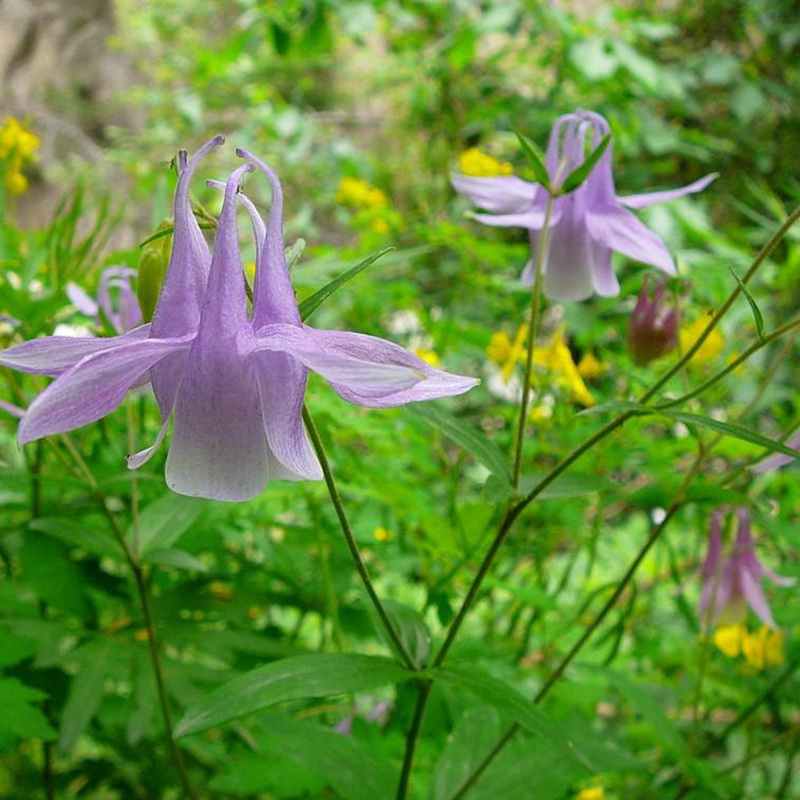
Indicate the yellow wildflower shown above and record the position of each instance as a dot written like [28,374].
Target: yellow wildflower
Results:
[763,648]
[729,639]
[508,354]
[592,793]
[381,534]
[17,146]
[589,367]
[478,164]
[220,590]
[711,347]
[357,193]
[428,356]
[556,358]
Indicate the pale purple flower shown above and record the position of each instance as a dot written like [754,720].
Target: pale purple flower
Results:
[732,581]
[116,300]
[233,381]
[777,460]
[586,225]
[653,324]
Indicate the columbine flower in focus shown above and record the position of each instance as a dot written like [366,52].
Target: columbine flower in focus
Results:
[235,382]
[116,301]
[476,163]
[17,146]
[586,225]
[653,325]
[732,581]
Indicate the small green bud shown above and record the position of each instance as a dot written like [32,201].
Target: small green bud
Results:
[153,267]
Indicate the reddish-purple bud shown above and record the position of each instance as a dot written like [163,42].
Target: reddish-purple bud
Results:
[653,326]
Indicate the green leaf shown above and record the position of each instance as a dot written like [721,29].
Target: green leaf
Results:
[508,700]
[293,678]
[162,523]
[310,304]
[474,735]
[294,252]
[21,718]
[85,696]
[472,440]
[80,533]
[535,159]
[581,173]
[570,484]
[351,768]
[729,429]
[410,627]
[170,557]
[757,316]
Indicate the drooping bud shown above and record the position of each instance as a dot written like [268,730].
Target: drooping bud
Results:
[152,268]
[653,325]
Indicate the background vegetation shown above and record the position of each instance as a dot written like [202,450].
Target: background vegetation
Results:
[364,109]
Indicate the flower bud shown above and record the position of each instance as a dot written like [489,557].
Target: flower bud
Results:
[653,325]
[152,268]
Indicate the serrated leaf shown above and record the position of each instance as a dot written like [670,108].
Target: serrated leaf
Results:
[293,678]
[21,718]
[581,173]
[163,522]
[310,304]
[535,159]
[467,437]
[757,316]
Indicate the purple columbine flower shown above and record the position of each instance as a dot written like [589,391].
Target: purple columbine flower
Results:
[116,300]
[653,325]
[235,382]
[586,225]
[732,582]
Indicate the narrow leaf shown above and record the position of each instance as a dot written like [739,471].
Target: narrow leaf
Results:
[162,523]
[535,159]
[474,442]
[757,316]
[310,304]
[291,679]
[581,173]
[729,429]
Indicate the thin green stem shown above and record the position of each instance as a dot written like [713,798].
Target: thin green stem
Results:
[533,330]
[352,545]
[424,690]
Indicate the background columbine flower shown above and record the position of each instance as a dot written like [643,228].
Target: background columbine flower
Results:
[235,382]
[653,325]
[586,224]
[116,301]
[732,581]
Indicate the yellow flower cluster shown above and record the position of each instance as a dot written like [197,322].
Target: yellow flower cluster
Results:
[711,347]
[17,146]
[592,793]
[762,648]
[477,164]
[357,193]
[554,359]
